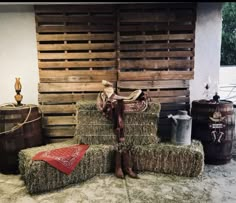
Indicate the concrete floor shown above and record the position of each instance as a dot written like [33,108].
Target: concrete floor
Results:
[217,184]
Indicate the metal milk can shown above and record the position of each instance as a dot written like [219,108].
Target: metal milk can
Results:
[181,128]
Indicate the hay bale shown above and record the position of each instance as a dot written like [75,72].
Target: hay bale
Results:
[88,109]
[95,117]
[170,159]
[103,134]
[93,128]
[25,154]
[39,176]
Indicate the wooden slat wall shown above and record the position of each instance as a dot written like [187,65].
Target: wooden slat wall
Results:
[146,46]
[156,54]
[76,50]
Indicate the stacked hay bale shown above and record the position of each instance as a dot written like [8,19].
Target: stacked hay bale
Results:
[170,159]
[140,132]
[39,176]
[93,128]
[97,131]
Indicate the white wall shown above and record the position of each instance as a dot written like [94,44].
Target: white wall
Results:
[207,48]
[18,53]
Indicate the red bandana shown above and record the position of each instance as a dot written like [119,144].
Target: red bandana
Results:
[64,159]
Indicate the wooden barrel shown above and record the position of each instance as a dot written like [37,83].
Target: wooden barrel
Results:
[20,128]
[214,125]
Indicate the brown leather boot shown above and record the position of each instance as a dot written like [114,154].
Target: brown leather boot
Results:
[118,169]
[127,166]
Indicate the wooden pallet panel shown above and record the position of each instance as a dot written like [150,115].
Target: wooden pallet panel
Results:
[167,50]
[76,50]
[145,46]
[156,54]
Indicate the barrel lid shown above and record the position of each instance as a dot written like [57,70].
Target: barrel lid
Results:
[13,106]
[204,101]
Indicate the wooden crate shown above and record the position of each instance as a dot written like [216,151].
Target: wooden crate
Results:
[146,46]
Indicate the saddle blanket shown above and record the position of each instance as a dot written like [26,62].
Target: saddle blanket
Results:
[64,159]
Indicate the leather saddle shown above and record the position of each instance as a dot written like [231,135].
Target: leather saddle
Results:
[114,106]
[136,101]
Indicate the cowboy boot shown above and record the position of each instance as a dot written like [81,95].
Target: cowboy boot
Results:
[118,170]
[127,168]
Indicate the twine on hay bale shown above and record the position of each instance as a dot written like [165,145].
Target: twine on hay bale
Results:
[170,159]
[40,176]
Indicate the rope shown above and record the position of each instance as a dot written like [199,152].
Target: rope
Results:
[19,125]
[6,104]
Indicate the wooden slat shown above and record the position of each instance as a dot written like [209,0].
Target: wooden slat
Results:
[75,19]
[100,55]
[165,84]
[162,93]
[63,47]
[74,37]
[98,8]
[75,28]
[174,107]
[65,98]
[145,17]
[155,64]
[79,64]
[169,93]
[52,140]
[160,6]
[57,131]
[157,37]
[155,75]
[157,27]
[179,45]
[171,99]
[77,76]
[70,87]
[58,120]
[152,54]
[58,109]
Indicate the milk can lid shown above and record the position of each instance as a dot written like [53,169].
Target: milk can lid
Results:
[182,112]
